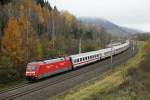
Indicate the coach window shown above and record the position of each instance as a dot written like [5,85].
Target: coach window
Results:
[80,59]
[86,58]
[77,60]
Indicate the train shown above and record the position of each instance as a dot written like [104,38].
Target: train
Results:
[41,69]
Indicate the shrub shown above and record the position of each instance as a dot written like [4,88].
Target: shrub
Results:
[7,76]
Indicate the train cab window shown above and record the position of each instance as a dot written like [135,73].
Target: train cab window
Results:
[31,68]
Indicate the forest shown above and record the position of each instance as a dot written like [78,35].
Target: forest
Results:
[33,30]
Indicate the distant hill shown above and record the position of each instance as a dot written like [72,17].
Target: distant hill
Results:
[131,30]
[110,27]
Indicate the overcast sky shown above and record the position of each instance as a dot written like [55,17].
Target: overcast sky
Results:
[129,13]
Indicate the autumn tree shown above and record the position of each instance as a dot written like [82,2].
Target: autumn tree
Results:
[3,2]
[31,42]
[145,65]
[12,41]
[147,48]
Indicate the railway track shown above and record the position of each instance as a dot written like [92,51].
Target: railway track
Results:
[43,85]
[15,87]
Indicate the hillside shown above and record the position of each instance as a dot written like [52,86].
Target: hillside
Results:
[110,27]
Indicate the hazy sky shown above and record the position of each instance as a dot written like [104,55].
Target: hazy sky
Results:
[129,13]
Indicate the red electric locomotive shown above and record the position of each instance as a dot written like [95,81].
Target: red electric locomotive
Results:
[41,69]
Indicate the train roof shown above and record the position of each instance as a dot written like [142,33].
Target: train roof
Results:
[47,61]
[84,54]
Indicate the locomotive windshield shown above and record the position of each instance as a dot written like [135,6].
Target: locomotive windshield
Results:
[31,68]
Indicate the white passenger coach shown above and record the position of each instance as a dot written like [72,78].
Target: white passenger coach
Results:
[93,56]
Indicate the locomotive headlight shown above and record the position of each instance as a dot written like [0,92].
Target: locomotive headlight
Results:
[30,73]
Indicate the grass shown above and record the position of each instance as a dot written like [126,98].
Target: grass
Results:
[112,85]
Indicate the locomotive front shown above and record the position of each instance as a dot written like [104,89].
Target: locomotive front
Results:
[32,72]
